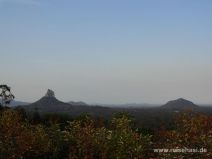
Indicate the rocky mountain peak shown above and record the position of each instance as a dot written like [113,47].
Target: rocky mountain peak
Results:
[50,93]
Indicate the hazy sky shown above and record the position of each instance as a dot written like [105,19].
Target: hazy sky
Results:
[107,51]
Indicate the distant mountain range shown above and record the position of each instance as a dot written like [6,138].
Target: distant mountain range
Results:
[49,103]
[15,103]
[146,116]
[130,105]
[77,103]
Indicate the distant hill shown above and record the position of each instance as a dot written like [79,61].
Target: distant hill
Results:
[130,105]
[15,103]
[180,104]
[77,103]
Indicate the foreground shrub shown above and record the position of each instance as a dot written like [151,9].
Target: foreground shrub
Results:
[121,141]
[193,131]
[20,139]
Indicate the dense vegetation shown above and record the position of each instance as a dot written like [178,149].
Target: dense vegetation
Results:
[57,136]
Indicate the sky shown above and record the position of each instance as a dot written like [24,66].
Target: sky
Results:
[107,51]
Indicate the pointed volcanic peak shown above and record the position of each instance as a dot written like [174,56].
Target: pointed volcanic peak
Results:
[49,103]
[50,94]
[179,104]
